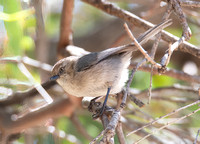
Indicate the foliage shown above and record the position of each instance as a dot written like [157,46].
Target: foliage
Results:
[20,24]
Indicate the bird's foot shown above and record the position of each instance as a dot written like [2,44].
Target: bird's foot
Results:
[98,108]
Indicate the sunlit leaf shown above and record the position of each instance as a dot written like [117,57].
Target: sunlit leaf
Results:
[161,80]
[17,15]
[27,43]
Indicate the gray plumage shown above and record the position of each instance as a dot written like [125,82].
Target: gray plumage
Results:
[92,74]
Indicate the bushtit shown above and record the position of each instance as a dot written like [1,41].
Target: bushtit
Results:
[99,73]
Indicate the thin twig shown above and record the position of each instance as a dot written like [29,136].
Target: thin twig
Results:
[171,113]
[186,32]
[96,138]
[132,124]
[166,58]
[178,11]
[133,70]
[190,3]
[59,107]
[38,86]
[155,46]
[169,72]
[136,101]
[119,129]
[168,91]
[150,87]
[120,133]
[137,21]
[140,47]
[196,139]
[19,97]
[167,124]
[28,61]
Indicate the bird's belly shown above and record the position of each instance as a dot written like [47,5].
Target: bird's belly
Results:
[98,86]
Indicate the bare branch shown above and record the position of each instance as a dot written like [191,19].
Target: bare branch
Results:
[110,129]
[168,123]
[136,101]
[120,133]
[130,17]
[41,38]
[190,3]
[171,113]
[131,124]
[170,72]
[38,87]
[190,93]
[178,11]
[195,141]
[58,108]
[140,48]
[19,97]
[155,46]
[28,61]
[65,27]
[95,139]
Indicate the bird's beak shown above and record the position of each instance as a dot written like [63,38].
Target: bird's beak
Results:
[55,77]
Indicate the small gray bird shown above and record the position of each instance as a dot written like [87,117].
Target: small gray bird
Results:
[99,73]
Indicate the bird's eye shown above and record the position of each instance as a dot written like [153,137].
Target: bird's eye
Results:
[61,70]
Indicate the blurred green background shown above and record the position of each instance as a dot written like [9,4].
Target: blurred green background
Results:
[18,31]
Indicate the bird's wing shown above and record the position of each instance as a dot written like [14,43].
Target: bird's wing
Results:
[93,58]
[86,61]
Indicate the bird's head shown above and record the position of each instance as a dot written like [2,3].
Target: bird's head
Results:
[64,68]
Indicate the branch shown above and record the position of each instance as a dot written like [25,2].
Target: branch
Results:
[185,35]
[131,124]
[190,93]
[65,27]
[130,17]
[120,133]
[110,129]
[178,11]
[140,48]
[154,48]
[169,123]
[196,139]
[41,38]
[188,3]
[28,61]
[96,138]
[171,73]
[19,97]
[171,113]
[58,108]
[38,86]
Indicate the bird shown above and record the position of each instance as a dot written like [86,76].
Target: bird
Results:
[99,73]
